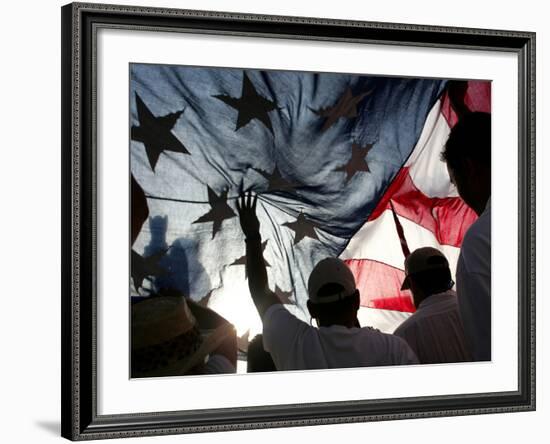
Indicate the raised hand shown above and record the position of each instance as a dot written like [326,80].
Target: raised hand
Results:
[262,296]
[246,206]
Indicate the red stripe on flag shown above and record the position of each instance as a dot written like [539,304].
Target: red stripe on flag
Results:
[448,218]
[380,285]
[477,97]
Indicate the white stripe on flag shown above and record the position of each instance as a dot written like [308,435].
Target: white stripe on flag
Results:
[428,173]
[377,240]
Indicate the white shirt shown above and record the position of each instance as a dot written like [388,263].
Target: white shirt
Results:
[473,286]
[295,345]
[435,332]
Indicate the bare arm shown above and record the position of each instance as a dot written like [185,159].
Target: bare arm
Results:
[262,296]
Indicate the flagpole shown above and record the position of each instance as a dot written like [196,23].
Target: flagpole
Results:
[400,232]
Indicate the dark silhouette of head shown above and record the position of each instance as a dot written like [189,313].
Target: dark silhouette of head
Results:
[468,157]
[258,360]
[427,283]
[333,297]
[426,273]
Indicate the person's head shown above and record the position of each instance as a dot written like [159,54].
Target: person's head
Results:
[333,296]
[426,273]
[258,360]
[166,340]
[468,157]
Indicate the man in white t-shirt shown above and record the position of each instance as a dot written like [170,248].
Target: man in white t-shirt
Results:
[468,157]
[339,341]
[434,331]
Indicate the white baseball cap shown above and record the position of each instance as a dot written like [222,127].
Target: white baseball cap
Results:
[331,271]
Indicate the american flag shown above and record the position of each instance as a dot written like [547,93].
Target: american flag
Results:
[423,204]
[342,164]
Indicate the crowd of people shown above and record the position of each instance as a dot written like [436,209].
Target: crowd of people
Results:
[448,326]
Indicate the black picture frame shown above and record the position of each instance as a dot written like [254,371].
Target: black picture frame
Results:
[79,211]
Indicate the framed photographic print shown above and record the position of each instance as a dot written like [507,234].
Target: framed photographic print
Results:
[277,221]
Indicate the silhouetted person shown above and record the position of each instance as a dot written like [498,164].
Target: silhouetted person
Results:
[258,360]
[338,342]
[468,157]
[434,331]
[173,336]
[167,340]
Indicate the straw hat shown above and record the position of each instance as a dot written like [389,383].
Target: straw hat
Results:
[166,340]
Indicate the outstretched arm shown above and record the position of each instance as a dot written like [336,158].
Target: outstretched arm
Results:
[262,296]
